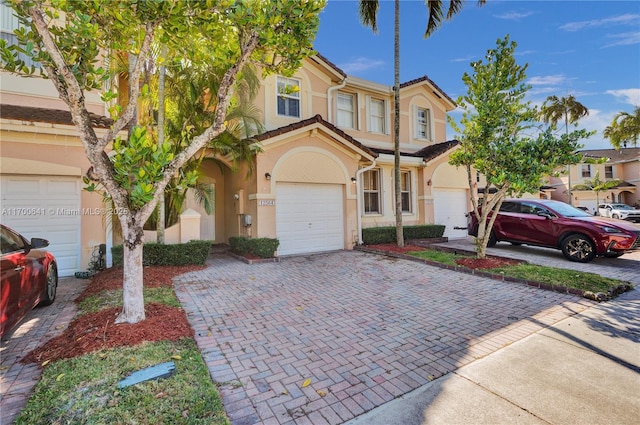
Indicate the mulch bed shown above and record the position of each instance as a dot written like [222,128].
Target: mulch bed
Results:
[96,331]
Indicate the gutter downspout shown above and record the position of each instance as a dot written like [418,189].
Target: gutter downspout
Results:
[359,199]
[329,102]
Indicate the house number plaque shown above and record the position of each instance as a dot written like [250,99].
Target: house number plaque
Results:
[267,202]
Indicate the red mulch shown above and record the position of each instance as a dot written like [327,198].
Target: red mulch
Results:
[486,263]
[95,331]
[153,276]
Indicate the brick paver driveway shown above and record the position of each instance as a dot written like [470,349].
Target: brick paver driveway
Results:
[363,328]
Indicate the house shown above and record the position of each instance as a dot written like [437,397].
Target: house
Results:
[622,165]
[324,173]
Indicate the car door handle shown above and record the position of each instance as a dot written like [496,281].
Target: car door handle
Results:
[19,269]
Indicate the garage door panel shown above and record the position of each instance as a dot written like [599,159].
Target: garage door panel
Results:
[309,218]
[450,207]
[46,207]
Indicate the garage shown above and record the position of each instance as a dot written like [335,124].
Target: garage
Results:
[450,207]
[309,218]
[46,207]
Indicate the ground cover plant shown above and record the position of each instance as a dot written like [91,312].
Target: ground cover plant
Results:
[583,281]
[82,366]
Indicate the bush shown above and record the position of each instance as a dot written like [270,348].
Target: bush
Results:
[378,235]
[155,254]
[261,247]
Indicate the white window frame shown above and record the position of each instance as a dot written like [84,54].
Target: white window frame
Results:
[421,126]
[295,96]
[366,178]
[405,177]
[342,113]
[585,171]
[384,118]
[8,24]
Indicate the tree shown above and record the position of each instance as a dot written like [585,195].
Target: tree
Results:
[369,17]
[624,128]
[598,185]
[570,111]
[501,139]
[68,38]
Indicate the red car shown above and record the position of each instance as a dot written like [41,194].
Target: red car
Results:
[554,224]
[29,276]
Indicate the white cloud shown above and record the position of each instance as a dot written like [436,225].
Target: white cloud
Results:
[631,19]
[630,96]
[624,39]
[548,80]
[360,64]
[513,16]
[464,59]
[524,53]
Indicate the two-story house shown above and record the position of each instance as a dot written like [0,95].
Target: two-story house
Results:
[325,170]
[622,165]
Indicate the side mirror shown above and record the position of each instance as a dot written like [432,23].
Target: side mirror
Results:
[39,243]
[544,214]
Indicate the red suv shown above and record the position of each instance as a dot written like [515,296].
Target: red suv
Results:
[554,224]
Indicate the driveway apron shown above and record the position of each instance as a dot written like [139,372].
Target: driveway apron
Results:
[322,339]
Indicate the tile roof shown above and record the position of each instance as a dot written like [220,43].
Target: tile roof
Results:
[430,81]
[428,153]
[330,64]
[52,116]
[309,121]
[614,155]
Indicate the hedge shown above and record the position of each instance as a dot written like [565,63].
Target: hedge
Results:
[262,247]
[155,254]
[378,235]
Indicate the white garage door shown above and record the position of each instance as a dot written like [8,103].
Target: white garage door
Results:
[309,218]
[450,207]
[49,208]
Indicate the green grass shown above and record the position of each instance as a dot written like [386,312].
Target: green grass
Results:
[106,299]
[548,275]
[84,389]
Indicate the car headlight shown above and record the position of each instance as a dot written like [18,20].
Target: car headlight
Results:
[610,229]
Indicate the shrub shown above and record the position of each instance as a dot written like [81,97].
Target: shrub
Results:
[378,235]
[155,254]
[261,247]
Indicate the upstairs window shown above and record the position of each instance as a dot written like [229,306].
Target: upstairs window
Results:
[371,192]
[8,24]
[586,171]
[288,97]
[608,171]
[377,118]
[346,110]
[423,123]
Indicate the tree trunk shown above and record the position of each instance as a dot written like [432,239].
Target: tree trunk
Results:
[133,301]
[161,109]
[396,125]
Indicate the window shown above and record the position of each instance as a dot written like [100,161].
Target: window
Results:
[608,171]
[405,189]
[376,116]
[371,191]
[423,123]
[8,24]
[586,170]
[346,110]
[288,97]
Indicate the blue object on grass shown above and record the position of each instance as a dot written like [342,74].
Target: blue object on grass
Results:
[162,370]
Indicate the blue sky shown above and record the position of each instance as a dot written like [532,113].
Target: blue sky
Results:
[590,49]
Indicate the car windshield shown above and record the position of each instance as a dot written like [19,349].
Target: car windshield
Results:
[566,210]
[621,207]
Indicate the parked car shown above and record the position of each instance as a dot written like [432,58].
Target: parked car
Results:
[29,276]
[621,211]
[554,224]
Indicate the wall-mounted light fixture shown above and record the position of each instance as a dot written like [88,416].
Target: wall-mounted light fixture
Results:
[429,182]
[353,180]
[267,176]
[236,196]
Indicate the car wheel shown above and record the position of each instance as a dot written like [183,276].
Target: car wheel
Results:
[615,216]
[492,240]
[51,286]
[578,248]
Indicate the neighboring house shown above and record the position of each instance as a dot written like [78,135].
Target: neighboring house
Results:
[622,165]
[326,169]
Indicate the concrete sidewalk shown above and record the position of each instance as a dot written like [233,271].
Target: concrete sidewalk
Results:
[583,370]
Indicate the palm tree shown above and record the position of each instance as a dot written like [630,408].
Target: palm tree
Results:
[369,17]
[624,128]
[567,109]
[598,185]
